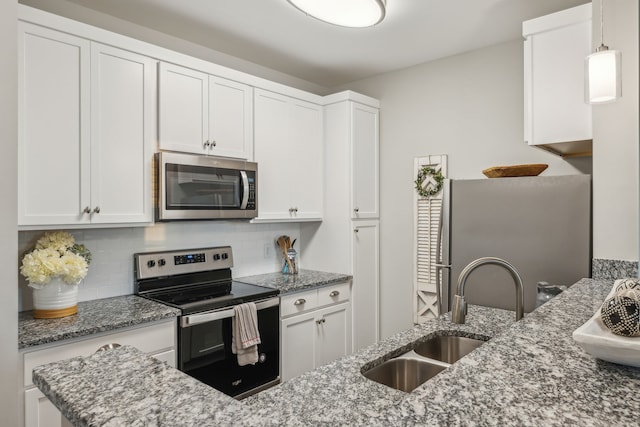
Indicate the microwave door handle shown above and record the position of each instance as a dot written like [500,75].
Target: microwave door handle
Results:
[245,189]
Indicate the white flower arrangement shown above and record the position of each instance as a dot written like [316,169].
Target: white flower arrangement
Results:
[56,255]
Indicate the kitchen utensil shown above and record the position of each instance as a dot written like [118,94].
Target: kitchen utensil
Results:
[289,266]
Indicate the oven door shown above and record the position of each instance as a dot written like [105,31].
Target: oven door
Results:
[199,187]
[205,350]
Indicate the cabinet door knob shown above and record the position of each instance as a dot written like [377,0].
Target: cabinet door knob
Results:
[355,230]
[356,210]
[96,210]
[320,321]
[300,301]
[334,293]
[213,143]
[206,144]
[86,210]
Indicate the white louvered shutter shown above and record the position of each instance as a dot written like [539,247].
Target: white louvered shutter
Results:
[427,216]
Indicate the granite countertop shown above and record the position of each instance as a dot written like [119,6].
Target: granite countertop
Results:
[530,373]
[109,314]
[94,316]
[289,283]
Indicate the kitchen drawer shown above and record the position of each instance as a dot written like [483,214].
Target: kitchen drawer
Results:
[298,302]
[301,302]
[333,294]
[151,339]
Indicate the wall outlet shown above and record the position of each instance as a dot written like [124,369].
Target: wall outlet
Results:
[268,250]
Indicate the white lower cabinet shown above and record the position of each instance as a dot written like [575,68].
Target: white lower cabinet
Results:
[315,328]
[40,412]
[157,340]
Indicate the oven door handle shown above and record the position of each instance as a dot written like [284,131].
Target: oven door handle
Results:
[194,319]
[245,189]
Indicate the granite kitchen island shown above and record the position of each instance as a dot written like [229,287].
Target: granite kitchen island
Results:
[530,373]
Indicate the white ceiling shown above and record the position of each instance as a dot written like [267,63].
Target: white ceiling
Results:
[274,34]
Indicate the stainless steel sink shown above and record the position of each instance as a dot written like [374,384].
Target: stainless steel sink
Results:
[403,374]
[448,349]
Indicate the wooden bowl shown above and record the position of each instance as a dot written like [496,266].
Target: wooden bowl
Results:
[515,170]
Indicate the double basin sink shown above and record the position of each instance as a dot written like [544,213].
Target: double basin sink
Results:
[426,360]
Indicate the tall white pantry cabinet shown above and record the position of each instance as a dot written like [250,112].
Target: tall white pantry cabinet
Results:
[347,240]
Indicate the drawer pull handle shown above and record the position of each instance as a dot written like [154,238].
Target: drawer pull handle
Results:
[300,301]
[334,294]
[108,347]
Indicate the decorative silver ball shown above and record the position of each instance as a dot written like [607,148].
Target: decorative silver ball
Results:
[621,313]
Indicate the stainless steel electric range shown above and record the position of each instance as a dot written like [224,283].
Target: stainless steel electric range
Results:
[199,283]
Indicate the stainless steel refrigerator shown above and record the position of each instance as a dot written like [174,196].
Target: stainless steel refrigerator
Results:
[541,225]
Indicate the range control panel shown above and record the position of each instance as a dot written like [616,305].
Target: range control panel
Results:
[168,263]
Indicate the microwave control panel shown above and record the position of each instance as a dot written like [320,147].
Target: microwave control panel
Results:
[251,202]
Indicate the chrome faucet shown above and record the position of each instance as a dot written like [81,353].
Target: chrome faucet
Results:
[459,309]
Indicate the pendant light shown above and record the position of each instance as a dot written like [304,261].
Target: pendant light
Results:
[603,83]
[345,13]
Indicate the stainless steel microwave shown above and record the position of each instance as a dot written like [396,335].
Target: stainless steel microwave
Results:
[204,187]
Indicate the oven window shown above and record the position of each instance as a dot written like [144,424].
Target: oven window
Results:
[202,188]
[202,344]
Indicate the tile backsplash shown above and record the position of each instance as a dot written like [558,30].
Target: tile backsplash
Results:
[111,270]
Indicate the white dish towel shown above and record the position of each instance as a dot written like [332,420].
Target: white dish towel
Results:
[245,337]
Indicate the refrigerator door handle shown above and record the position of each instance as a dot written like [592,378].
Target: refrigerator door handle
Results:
[439,267]
[439,263]
[443,262]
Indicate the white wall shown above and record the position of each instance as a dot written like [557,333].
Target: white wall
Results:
[111,270]
[9,367]
[469,107]
[615,134]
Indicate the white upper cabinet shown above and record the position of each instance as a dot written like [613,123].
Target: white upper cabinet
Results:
[87,125]
[364,163]
[204,114]
[288,149]
[555,48]
[123,123]
[53,114]
[184,109]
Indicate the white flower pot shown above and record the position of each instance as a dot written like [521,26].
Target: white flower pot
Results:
[55,299]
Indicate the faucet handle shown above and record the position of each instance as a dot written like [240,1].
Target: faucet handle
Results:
[459,310]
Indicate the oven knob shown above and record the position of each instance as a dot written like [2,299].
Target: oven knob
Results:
[225,255]
[162,262]
[151,263]
[262,358]
[216,257]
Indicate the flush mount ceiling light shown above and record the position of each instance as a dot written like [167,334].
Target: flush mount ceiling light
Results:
[346,13]
[603,71]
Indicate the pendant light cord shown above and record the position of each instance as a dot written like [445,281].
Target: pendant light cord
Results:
[601,24]
[602,47]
